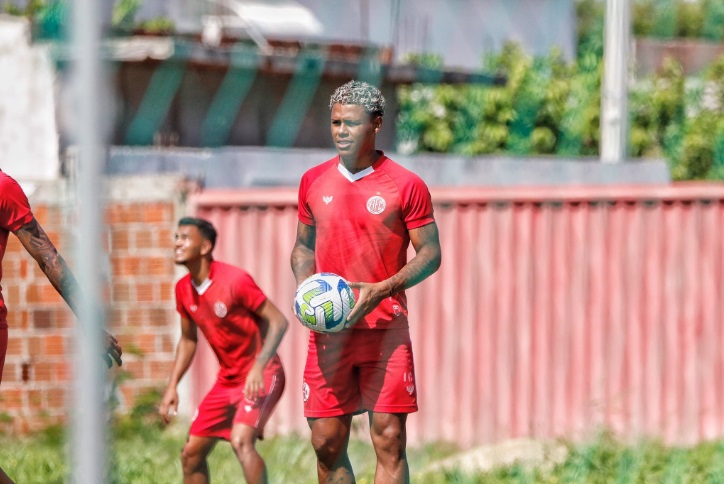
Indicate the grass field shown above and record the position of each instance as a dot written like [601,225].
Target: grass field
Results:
[142,452]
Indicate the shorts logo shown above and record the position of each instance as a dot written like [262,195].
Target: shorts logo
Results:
[376,205]
[409,378]
[193,308]
[305,391]
[220,309]
[327,200]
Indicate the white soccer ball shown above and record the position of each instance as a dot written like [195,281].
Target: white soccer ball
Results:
[323,302]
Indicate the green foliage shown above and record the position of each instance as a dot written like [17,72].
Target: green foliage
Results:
[548,106]
[153,456]
[664,19]
[124,14]
[157,25]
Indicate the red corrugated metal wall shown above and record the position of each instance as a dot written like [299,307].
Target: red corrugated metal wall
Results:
[556,312]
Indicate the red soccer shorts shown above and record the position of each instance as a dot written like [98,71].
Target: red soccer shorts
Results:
[359,370]
[225,405]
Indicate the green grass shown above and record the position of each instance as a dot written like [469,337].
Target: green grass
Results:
[141,451]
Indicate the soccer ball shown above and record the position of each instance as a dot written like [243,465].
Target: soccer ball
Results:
[323,302]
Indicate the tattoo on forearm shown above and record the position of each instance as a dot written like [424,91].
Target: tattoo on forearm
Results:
[40,247]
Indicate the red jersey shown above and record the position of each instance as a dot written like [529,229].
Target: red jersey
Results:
[362,222]
[14,213]
[225,313]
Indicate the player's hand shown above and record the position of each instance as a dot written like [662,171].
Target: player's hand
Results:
[169,404]
[113,350]
[369,296]
[254,386]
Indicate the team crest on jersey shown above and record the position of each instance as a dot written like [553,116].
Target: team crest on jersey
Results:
[327,200]
[305,391]
[376,205]
[220,309]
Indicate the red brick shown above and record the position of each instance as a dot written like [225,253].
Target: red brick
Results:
[63,370]
[144,239]
[167,291]
[42,293]
[54,345]
[43,371]
[35,346]
[11,294]
[40,212]
[145,292]
[12,399]
[145,342]
[168,343]
[42,319]
[63,318]
[159,266]
[135,368]
[122,292]
[11,373]
[56,398]
[16,346]
[157,212]
[160,317]
[14,246]
[160,369]
[35,399]
[120,240]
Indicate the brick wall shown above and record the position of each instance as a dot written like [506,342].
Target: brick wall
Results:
[38,369]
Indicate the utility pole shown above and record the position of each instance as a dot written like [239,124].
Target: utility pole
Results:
[614,95]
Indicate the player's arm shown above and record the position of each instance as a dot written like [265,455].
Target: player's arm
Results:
[428,255]
[39,246]
[303,264]
[185,351]
[276,325]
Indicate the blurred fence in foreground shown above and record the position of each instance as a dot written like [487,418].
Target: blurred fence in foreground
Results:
[556,311]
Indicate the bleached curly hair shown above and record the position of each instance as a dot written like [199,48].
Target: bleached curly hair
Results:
[362,94]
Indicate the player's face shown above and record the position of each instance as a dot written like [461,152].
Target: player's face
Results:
[353,130]
[188,244]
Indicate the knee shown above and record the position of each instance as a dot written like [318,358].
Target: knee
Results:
[390,440]
[191,458]
[328,448]
[242,444]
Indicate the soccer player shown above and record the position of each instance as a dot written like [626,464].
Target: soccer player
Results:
[244,329]
[17,217]
[358,213]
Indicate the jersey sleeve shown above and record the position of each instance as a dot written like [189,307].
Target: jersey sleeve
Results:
[417,204]
[304,211]
[248,293]
[14,206]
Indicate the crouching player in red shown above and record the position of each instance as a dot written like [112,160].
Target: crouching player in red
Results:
[244,329]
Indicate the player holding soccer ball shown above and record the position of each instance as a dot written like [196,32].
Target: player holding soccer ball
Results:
[17,217]
[244,329]
[358,213]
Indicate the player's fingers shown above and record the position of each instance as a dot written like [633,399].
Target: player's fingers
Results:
[117,356]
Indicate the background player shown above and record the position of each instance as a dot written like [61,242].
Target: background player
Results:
[358,213]
[244,330]
[17,217]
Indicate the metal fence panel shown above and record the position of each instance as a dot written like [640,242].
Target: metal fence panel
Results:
[556,312]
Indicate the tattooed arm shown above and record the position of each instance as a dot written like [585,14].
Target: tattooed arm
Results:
[302,260]
[428,255]
[39,246]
